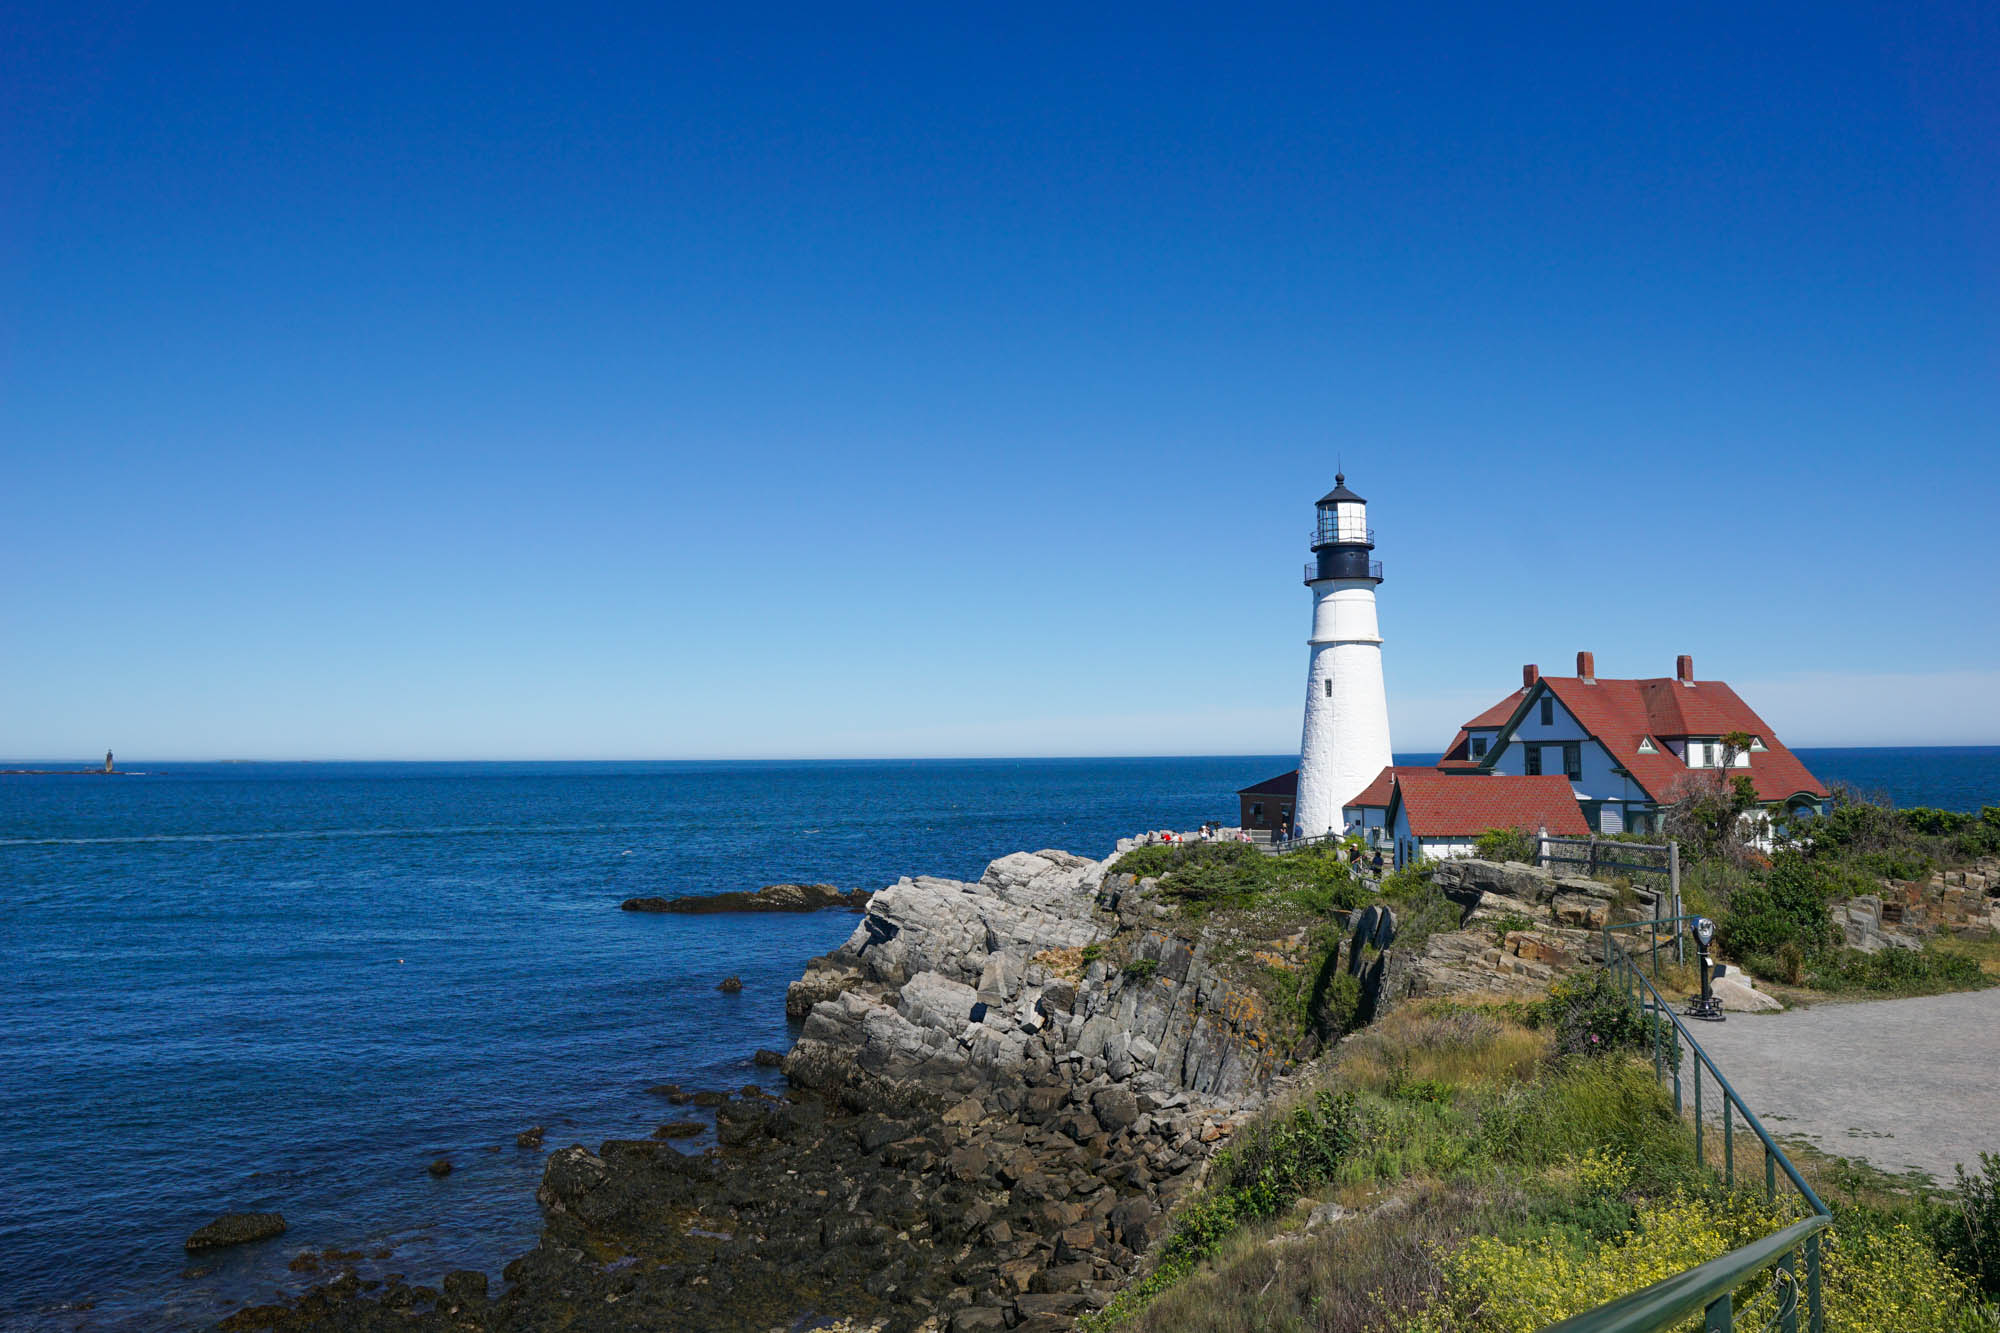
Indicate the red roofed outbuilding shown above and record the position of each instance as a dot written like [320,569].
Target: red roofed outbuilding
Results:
[1435,814]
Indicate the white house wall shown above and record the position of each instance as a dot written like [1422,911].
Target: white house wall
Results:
[1597,783]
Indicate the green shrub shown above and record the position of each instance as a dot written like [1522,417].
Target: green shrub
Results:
[1208,876]
[1592,1015]
[1335,1003]
[1139,969]
[1926,971]
[1505,844]
[1260,1175]
[1968,1229]
[1789,905]
[1421,908]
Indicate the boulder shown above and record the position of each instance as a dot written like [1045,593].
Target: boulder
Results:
[1739,997]
[679,1129]
[1326,1215]
[440,1168]
[1116,1108]
[730,985]
[237,1229]
[531,1137]
[1583,910]
[464,1286]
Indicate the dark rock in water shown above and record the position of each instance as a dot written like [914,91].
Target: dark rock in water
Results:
[464,1286]
[679,1129]
[193,1271]
[237,1229]
[769,1059]
[530,1137]
[440,1168]
[667,1090]
[730,985]
[771,898]
[709,1098]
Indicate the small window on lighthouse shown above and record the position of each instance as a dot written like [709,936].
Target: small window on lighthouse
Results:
[1329,687]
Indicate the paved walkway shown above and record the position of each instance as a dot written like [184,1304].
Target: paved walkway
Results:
[1904,1084]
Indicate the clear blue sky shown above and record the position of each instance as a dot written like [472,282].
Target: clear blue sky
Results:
[495,381]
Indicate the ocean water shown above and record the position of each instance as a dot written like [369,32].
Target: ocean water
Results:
[292,986]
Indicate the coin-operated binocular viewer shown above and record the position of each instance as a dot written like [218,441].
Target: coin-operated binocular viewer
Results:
[1706,1006]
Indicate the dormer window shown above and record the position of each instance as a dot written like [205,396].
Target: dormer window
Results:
[1478,747]
[1646,745]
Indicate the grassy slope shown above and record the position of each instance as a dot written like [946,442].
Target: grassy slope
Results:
[1490,1188]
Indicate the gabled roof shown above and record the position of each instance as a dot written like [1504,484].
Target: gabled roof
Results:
[1621,713]
[1459,753]
[1377,792]
[1285,784]
[1440,805]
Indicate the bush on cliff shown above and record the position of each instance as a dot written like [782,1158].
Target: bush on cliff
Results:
[1590,1014]
[1505,844]
[1788,906]
[1209,876]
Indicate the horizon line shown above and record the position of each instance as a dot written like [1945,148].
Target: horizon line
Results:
[86,765]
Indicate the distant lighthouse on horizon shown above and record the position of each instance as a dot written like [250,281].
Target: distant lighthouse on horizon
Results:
[1346,739]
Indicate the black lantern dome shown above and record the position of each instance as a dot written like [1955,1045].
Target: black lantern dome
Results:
[1342,540]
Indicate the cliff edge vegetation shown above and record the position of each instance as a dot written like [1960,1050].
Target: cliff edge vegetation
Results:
[1453,1170]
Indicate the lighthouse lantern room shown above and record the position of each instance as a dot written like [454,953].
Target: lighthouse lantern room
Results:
[1346,738]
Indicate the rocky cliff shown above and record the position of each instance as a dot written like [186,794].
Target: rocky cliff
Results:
[999,1090]
[948,987]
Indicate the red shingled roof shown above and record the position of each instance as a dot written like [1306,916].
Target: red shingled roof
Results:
[1621,713]
[1459,753]
[1377,792]
[1439,805]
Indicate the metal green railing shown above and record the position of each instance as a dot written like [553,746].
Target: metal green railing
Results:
[1710,1288]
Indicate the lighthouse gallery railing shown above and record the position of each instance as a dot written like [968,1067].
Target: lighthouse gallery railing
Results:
[1313,575]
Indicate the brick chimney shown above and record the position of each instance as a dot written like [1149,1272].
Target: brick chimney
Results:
[1586,667]
[1684,669]
[1529,675]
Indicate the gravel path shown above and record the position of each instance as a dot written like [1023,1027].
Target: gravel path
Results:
[1904,1084]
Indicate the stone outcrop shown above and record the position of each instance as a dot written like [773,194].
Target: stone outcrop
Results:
[1523,927]
[945,986]
[1906,912]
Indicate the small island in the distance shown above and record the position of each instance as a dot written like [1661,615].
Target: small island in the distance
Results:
[770,898]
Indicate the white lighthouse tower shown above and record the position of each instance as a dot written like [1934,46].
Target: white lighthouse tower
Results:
[1346,741]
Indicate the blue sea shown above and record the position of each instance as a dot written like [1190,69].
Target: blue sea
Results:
[290,987]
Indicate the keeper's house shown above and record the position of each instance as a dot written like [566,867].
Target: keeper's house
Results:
[1630,747]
